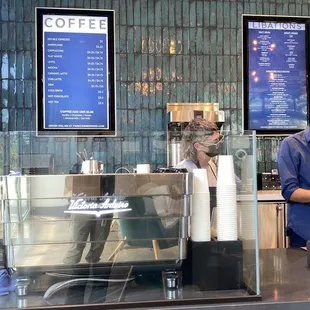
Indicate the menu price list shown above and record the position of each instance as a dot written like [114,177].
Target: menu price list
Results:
[75,71]
[277,79]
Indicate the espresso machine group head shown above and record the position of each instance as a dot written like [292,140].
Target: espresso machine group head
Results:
[179,115]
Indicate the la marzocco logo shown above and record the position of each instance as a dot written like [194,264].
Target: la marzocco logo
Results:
[95,206]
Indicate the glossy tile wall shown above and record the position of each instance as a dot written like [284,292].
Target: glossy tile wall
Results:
[170,50]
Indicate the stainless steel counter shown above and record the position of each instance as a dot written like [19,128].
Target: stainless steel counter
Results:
[284,275]
[285,285]
[151,211]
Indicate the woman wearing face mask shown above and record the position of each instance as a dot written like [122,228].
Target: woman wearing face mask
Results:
[201,141]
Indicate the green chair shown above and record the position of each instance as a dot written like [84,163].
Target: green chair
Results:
[141,227]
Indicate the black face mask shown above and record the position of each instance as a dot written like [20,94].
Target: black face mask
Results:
[214,150]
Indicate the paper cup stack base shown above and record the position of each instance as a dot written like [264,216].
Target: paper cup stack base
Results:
[247,221]
[226,197]
[200,218]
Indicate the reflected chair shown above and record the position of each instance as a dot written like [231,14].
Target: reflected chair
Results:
[142,227]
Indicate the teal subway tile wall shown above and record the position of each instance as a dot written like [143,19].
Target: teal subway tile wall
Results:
[166,51]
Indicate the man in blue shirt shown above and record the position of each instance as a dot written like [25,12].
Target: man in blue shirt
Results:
[294,169]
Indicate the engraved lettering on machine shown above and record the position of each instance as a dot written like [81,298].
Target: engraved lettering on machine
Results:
[97,206]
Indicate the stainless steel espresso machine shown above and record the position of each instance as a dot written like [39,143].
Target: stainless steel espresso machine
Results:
[179,115]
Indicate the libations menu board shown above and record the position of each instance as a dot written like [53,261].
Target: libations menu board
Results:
[78,95]
[276,99]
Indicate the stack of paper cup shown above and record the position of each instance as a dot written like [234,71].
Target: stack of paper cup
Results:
[247,174]
[200,218]
[246,217]
[226,200]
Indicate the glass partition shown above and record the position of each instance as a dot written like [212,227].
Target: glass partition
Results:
[85,223]
[243,149]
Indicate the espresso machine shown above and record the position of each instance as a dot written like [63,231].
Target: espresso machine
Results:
[179,115]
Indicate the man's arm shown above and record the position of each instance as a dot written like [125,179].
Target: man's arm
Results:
[300,195]
[288,162]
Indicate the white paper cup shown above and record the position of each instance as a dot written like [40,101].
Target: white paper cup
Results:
[200,181]
[143,168]
[226,171]
[200,217]
[247,168]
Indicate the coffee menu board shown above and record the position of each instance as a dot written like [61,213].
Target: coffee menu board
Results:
[275,77]
[75,72]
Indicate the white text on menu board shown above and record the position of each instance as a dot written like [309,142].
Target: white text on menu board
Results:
[281,71]
[78,24]
[57,74]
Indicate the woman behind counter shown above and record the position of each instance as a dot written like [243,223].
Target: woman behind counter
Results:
[201,141]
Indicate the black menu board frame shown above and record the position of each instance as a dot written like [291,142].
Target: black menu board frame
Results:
[95,114]
[247,102]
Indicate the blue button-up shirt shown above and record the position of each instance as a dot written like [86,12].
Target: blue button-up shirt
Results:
[294,169]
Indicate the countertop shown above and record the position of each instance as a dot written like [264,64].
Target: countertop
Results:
[270,196]
[285,284]
[285,275]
